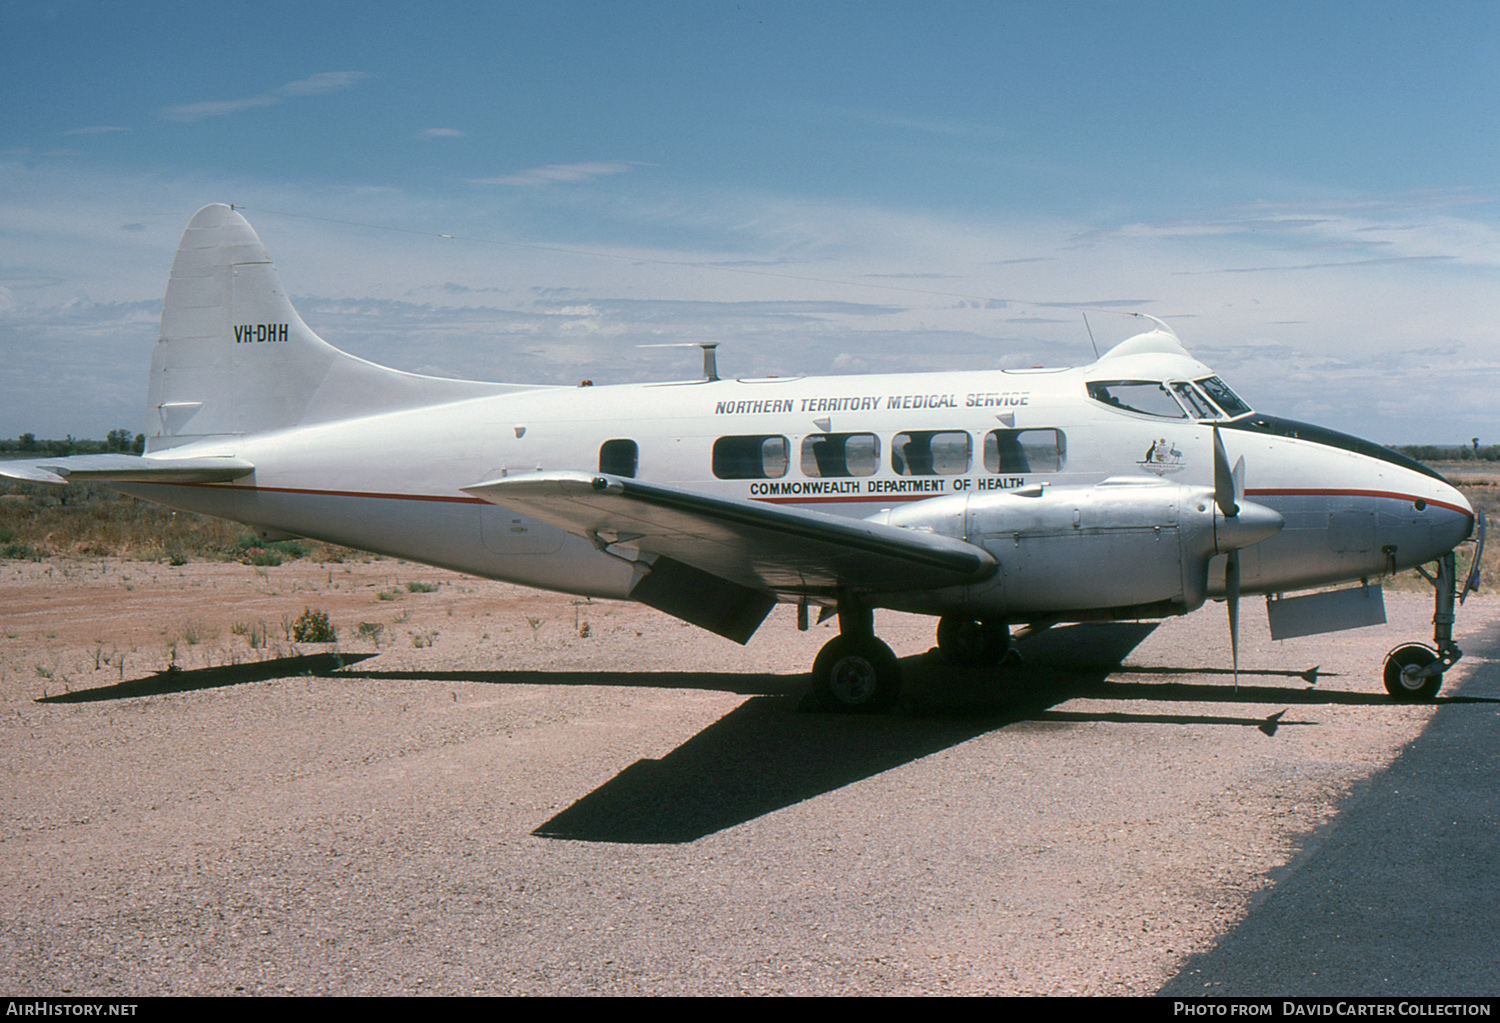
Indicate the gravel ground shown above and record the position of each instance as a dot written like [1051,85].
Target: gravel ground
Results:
[499,791]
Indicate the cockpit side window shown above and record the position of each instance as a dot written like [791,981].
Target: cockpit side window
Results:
[1226,399]
[1146,396]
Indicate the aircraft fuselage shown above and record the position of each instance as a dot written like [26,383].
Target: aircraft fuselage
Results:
[390,482]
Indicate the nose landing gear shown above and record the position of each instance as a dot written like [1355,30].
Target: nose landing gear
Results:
[1414,672]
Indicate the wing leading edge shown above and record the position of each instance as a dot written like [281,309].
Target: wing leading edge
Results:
[724,561]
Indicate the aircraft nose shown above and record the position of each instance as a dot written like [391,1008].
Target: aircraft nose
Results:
[1430,518]
[1452,518]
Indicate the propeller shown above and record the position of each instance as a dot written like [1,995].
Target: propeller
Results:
[1228,484]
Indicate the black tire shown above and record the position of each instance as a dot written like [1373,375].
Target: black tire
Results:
[1401,664]
[857,675]
[964,641]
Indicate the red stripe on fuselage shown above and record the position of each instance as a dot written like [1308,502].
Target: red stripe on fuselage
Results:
[1335,492]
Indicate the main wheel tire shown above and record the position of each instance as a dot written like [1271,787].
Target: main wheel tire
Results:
[965,641]
[856,674]
[1401,667]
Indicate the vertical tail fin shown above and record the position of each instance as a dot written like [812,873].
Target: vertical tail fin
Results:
[234,357]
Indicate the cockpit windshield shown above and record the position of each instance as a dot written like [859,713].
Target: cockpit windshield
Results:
[1192,399]
[1209,398]
[1226,399]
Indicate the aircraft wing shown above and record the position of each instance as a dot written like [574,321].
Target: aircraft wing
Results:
[126,469]
[762,548]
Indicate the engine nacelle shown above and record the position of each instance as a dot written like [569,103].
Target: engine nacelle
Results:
[1132,546]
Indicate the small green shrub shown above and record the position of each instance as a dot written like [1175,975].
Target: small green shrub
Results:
[313,627]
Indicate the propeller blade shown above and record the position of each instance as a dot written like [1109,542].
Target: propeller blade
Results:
[1226,492]
[1232,601]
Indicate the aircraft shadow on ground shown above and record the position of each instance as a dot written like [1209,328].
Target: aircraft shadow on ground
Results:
[186,681]
[763,757]
[778,748]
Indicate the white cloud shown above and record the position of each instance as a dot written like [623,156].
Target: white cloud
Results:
[1369,341]
[317,85]
[557,173]
[323,83]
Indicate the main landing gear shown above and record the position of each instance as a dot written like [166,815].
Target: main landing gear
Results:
[1414,671]
[855,672]
[966,642]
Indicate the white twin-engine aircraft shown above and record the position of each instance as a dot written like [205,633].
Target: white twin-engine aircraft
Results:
[1135,487]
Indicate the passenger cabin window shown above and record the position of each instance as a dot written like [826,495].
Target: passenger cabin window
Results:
[619,458]
[931,453]
[751,458]
[1021,451]
[1145,396]
[840,454]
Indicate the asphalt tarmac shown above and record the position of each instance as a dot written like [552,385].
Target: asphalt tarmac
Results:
[1399,895]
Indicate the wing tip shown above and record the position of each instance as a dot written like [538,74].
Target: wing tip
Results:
[32,473]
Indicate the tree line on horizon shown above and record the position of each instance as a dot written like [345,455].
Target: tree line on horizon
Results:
[27,445]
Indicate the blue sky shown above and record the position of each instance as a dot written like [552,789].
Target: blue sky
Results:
[1306,192]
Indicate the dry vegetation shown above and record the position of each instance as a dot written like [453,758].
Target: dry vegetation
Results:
[88,520]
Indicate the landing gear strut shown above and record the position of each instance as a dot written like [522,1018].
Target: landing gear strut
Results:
[855,672]
[1414,671]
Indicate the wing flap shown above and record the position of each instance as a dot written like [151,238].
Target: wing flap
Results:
[126,469]
[764,547]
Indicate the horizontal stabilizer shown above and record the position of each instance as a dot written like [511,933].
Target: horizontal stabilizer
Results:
[126,469]
[770,548]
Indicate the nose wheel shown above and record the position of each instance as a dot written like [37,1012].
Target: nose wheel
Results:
[1413,673]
